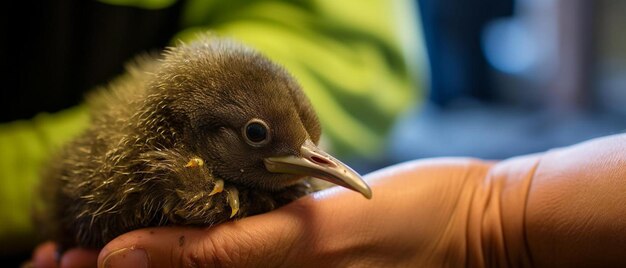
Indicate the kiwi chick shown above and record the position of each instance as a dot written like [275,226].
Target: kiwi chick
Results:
[208,131]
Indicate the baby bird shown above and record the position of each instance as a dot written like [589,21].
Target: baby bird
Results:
[207,132]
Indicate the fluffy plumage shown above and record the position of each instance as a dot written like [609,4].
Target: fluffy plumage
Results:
[130,168]
[206,132]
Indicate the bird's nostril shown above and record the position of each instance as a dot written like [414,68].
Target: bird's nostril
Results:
[321,161]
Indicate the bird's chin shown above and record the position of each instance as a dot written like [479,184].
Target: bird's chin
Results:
[283,181]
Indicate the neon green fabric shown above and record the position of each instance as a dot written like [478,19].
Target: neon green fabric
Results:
[24,147]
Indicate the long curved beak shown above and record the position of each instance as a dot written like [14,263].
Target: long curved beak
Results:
[316,163]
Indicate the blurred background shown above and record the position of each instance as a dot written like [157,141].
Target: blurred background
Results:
[513,77]
[391,80]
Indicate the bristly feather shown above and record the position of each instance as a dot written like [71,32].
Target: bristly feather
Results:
[127,170]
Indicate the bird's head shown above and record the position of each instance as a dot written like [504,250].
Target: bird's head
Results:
[245,116]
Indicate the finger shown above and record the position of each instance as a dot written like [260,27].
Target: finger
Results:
[44,255]
[259,240]
[320,227]
[78,257]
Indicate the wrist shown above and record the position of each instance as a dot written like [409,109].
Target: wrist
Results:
[496,215]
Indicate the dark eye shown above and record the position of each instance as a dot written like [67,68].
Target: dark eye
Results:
[256,132]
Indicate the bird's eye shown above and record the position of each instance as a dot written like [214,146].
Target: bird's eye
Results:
[256,132]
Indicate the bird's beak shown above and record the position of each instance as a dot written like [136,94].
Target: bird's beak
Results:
[316,163]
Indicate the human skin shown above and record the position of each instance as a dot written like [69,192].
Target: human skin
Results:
[562,208]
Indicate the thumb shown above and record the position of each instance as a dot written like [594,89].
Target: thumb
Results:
[263,240]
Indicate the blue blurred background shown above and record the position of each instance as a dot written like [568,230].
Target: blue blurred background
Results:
[391,80]
[516,77]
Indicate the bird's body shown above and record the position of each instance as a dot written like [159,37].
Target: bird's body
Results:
[195,137]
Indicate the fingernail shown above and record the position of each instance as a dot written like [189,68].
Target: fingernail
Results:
[126,257]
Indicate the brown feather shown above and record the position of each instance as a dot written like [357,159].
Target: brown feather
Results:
[127,170]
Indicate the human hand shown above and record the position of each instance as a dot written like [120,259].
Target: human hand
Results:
[406,223]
